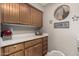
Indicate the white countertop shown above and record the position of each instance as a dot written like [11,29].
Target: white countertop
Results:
[21,38]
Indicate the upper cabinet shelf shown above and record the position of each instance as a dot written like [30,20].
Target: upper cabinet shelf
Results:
[15,13]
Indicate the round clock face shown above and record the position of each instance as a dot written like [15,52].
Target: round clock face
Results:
[62,12]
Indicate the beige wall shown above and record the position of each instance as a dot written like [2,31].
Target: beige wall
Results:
[62,39]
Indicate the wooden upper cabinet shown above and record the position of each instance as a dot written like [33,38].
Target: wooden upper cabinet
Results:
[14,13]
[36,17]
[5,12]
[10,13]
[21,13]
[0,17]
[0,14]
[25,14]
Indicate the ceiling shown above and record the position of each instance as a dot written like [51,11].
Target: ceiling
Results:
[43,4]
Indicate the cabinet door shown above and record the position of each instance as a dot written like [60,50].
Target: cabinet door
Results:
[11,13]
[25,14]
[5,12]
[20,53]
[14,13]
[27,52]
[36,17]
[0,14]
[35,50]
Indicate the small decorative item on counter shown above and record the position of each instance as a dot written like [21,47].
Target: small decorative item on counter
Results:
[38,32]
[6,34]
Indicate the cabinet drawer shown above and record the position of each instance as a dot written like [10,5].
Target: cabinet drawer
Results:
[20,53]
[33,42]
[13,48]
[28,44]
[36,41]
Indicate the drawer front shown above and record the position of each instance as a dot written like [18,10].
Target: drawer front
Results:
[36,41]
[20,53]
[33,42]
[13,48]
[28,44]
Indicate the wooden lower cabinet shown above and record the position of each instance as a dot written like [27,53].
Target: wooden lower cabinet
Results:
[13,48]
[45,45]
[36,50]
[36,47]
[27,52]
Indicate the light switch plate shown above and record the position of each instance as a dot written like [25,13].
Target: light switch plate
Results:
[50,21]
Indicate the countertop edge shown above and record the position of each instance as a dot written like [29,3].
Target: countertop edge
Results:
[3,44]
